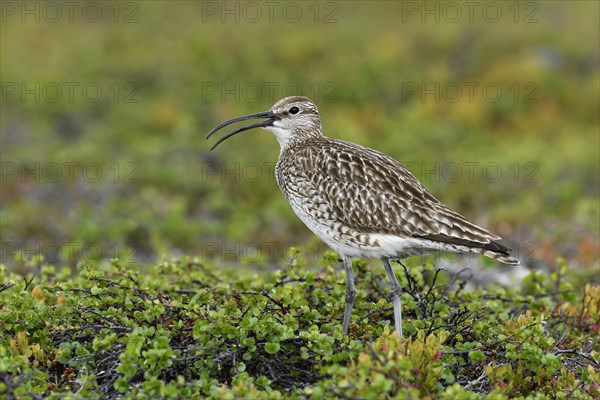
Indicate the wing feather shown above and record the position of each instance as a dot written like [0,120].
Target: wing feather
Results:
[370,192]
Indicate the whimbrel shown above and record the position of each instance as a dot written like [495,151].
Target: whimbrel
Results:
[361,202]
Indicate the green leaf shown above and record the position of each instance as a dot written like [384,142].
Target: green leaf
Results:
[476,356]
[272,347]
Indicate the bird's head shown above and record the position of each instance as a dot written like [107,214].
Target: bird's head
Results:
[290,119]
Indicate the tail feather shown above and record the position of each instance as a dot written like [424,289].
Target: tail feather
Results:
[503,257]
[492,250]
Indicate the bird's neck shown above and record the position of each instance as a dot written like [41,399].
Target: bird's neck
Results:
[298,142]
[297,137]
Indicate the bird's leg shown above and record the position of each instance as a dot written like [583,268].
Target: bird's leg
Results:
[396,292]
[350,293]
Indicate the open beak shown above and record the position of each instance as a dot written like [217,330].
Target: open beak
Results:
[267,114]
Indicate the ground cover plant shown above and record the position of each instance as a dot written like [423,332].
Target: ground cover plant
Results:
[184,330]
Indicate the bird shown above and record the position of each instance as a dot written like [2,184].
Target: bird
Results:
[361,202]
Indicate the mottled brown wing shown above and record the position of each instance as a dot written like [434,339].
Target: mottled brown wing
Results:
[372,193]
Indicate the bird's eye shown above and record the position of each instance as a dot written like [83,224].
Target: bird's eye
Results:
[294,110]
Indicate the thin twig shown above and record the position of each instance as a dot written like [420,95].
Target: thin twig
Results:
[6,286]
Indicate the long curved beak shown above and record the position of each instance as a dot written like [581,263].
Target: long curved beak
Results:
[266,114]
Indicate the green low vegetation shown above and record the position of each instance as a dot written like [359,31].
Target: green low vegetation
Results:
[185,331]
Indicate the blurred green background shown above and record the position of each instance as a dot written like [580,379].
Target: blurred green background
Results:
[105,106]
